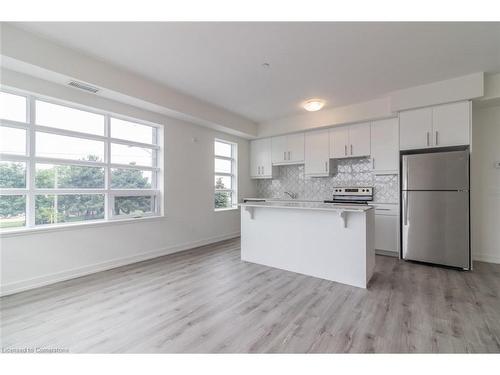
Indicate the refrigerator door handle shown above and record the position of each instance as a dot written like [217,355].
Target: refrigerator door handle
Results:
[405,208]
[405,175]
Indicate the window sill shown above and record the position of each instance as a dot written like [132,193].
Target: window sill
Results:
[226,209]
[63,227]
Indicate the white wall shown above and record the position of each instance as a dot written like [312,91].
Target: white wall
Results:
[451,90]
[485,184]
[34,259]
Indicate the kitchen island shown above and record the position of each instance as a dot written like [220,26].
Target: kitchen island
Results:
[325,240]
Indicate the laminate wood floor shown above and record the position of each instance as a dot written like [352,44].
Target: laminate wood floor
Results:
[207,300]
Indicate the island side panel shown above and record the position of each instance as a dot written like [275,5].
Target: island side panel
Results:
[370,244]
[310,242]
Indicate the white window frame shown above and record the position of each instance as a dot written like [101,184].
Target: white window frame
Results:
[234,174]
[30,158]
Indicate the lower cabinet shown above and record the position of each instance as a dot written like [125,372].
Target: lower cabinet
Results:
[387,229]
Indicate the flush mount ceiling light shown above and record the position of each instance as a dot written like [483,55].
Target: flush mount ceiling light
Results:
[312,105]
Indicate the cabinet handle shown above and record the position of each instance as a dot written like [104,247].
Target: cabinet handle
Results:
[326,166]
[427,138]
[262,169]
[351,149]
[345,150]
[288,155]
[258,169]
[437,138]
[373,163]
[284,155]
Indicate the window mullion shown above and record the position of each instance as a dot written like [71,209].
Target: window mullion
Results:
[31,165]
[107,169]
[15,124]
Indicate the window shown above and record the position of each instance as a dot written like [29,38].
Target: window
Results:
[61,164]
[225,176]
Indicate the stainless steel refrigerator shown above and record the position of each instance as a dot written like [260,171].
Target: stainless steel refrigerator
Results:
[435,208]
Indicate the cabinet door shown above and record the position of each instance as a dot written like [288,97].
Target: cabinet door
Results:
[386,233]
[254,158]
[359,140]
[384,136]
[317,153]
[279,149]
[265,158]
[415,129]
[451,124]
[295,143]
[338,143]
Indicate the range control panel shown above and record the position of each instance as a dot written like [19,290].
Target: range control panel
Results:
[357,191]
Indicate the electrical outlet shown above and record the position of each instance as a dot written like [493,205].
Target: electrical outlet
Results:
[497,164]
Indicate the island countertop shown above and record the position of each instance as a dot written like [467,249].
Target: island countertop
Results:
[309,206]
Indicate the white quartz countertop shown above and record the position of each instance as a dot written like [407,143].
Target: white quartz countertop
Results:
[304,205]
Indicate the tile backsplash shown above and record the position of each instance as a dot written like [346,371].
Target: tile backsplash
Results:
[347,172]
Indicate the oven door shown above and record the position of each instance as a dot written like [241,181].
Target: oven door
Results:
[351,199]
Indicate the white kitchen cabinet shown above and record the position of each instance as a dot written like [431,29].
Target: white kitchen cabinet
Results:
[279,149]
[384,136]
[438,126]
[415,129]
[359,140]
[387,229]
[339,140]
[450,124]
[296,148]
[260,158]
[350,141]
[288,149]
[317,153]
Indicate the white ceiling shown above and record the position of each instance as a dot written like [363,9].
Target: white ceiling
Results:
[342,63]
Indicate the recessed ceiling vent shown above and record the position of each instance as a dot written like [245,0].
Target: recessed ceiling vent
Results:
[83,86]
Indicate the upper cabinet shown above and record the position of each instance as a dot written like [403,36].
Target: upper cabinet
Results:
[339,140]
[439,126]
[350,141]
[451,124]
[260,158]
[359,139]
[317,153]
[415,128]
[385,145]
[288,149]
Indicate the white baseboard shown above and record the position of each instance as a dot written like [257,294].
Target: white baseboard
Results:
[20,286]
[387,253]
[487,257]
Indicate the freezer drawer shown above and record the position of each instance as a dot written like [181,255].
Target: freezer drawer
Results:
[436,171]
[436,227]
